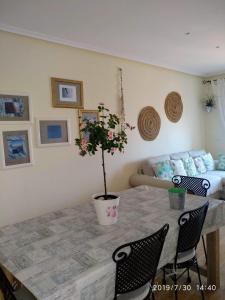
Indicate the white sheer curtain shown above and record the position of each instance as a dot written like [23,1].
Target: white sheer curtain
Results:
[218,88]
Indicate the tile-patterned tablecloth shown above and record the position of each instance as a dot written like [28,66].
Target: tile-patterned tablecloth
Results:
[66,255]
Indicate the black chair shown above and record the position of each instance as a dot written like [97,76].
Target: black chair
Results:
[196,186]
[136,266]
[190,228]
[193,185]
[8,291]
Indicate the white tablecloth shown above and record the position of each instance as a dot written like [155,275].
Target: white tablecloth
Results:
[66,255]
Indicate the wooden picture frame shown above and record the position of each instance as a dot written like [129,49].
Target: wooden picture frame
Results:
[16,148]
[15,108]
[53,132]
[87,114]
[67,93]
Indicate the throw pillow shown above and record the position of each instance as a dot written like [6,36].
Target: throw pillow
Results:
[221,162]
[189,166]
[208,161]
[163,170]
[178,167]
[200,166]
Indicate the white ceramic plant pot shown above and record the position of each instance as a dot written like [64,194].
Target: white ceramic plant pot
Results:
[106,210]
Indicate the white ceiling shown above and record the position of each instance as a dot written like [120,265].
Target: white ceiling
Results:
[151,31]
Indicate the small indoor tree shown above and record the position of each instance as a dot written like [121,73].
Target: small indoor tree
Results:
[108,134]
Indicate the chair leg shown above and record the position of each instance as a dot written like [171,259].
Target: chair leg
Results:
[164,276]
[150,295]
[175,282]
[199,278]
[204,247]
[189,277]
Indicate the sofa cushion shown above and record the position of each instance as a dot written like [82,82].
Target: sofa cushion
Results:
[178,167]
[189,166]
[200,166]
[215,181]
[221,162]
[163,169]
[219,173]
[157,159]
[208,161]
[147,165]
[179,155]
[196,153]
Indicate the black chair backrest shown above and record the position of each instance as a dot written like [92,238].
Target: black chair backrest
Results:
[193,185]
[6,287]
[190,228]
[137,262]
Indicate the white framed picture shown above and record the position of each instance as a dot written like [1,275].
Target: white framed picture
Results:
[15,108]
[16,148]
[53,132]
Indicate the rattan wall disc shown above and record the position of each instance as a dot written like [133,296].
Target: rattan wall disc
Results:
[173,107]
[149,123]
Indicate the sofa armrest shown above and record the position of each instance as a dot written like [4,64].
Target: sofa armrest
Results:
[138,179]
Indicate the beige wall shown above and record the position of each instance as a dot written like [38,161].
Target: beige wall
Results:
[214,126]
[60,177]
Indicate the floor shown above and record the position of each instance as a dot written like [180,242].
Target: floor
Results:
[194,294]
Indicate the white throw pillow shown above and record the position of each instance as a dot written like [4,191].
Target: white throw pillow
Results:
[178,167]
[200,166]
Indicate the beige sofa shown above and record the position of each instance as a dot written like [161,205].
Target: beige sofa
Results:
[146,175]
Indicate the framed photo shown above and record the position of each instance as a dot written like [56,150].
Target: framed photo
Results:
[87,115]
[14,108]
[67,93]
[53,132]
[16,148]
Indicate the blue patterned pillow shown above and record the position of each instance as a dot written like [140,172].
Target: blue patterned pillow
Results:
[189,166]
[208,162]
[221,162]
[163,170]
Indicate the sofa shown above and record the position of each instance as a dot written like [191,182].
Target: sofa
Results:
[146,174]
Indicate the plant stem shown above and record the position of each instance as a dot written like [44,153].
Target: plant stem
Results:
[104,174]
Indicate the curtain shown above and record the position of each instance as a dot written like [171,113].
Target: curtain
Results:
[218,88]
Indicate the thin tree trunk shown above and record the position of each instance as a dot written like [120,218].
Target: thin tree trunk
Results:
[104,174]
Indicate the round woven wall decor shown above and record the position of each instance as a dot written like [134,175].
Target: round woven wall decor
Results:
[173,107]
[149,123]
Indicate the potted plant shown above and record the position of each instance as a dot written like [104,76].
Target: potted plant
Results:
[108,134]
[209,103]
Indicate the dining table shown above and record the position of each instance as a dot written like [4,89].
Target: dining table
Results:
[66,254]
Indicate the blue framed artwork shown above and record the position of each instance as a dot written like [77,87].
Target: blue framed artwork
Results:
[17,148]
[87,115]
[53,132]
[14,108]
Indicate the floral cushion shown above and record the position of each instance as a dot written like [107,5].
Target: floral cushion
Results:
[221,162]
[163,170]
[178,167]
[208,161]
[200,166]
[189,166]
